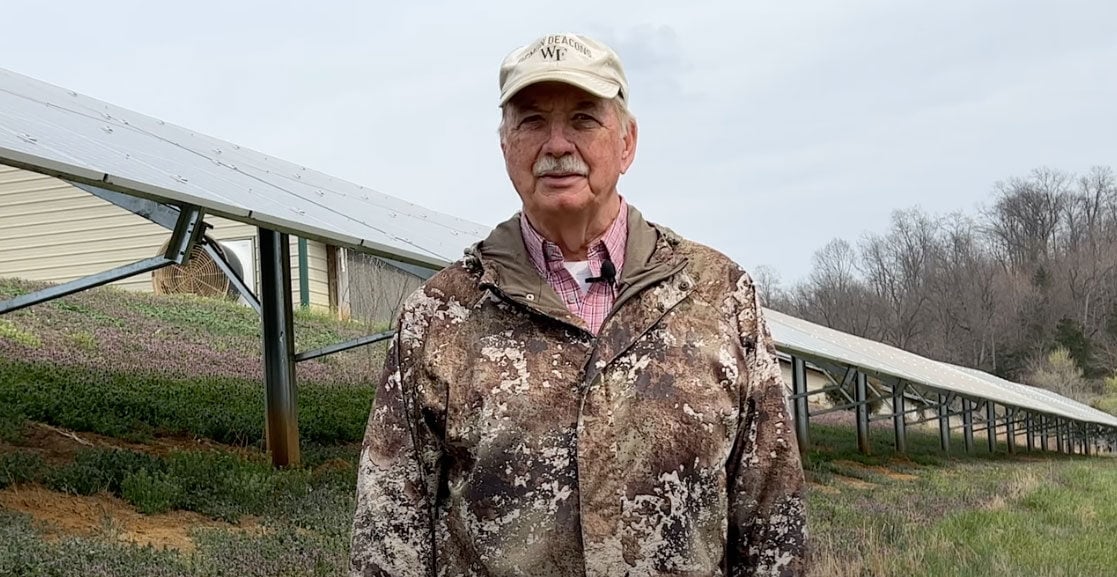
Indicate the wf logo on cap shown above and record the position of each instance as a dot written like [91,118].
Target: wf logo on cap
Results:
[570,58]
[555,47]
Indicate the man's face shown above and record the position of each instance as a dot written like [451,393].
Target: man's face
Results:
[564,148]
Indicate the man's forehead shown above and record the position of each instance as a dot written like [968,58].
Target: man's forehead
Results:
[548,95]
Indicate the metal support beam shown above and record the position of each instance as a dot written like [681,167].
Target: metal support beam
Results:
[967,423]
[1044,434]
[1010,429]
[185,235]
[1029,421]
[160,214]
[282,430]
[860,393]
[188,225]
[944,422]
[304,274]
[166,216]
[1059,435]
[95,280]
[898,418]
[991,425]
[234,278]
[1086,440]
[339,347]
[802,411]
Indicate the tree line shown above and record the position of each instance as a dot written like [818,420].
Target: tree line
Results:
[1025,289]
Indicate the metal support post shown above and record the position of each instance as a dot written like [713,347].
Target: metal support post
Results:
[279,348]
[944,423]
[802,412]
[863,444]
[1029,421]
[898,418]
[967,423]
[1059,435]
[991,425]
[1086,440]
[1010,429]
[1044,425]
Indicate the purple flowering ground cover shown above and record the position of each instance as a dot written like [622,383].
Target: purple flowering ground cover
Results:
[185,337]
[131,439]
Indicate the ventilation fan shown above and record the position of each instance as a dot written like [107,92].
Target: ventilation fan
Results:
[199,276]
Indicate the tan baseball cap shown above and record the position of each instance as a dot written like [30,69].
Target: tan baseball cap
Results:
[570,58]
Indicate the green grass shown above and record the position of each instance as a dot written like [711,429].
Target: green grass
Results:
[227,410]
[958,515]
[129,366]
[9,331]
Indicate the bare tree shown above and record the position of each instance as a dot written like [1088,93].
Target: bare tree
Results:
[832,295]
[1025,215]
[963,298]
[997,292]
[767,282]
[897,268]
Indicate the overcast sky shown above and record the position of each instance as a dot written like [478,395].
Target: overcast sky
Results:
[766,128]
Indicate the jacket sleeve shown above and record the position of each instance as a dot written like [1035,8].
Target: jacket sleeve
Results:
[398,471]
[767,518]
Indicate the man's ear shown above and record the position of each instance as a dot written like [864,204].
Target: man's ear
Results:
[628,154]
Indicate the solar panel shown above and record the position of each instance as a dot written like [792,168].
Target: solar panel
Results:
[1087,412]
[798,337]
[50,129]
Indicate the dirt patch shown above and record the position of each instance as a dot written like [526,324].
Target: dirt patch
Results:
[879,470]
[854,483]
[59,514]
[58,446]
[820,488]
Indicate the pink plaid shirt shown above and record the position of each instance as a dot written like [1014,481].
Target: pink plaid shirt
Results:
[547,258]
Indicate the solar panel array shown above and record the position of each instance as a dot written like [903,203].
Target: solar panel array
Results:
[798,337]
[60,132]
[80,138]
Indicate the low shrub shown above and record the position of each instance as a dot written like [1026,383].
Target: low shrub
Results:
[137,407]
[20,467]
[96,470]
[150,493]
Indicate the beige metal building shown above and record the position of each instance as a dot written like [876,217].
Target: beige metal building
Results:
[53,231]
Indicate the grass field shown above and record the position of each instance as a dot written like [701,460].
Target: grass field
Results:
[131,444]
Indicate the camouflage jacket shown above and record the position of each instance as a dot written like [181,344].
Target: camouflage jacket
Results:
[505,439]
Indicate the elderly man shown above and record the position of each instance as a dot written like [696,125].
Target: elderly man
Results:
[585,393]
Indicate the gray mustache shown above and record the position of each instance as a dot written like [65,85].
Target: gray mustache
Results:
[565,164]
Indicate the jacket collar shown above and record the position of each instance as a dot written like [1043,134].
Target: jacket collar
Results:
[504,264]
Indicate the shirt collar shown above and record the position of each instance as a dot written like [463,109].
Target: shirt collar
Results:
[611,245]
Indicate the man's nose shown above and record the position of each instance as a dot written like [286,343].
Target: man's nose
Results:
[558,140]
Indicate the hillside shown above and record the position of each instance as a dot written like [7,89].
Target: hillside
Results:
[131,444]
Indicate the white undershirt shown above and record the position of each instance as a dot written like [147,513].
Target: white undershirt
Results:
[580,270]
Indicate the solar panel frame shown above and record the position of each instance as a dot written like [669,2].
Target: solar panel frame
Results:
[802,338]
[60,132]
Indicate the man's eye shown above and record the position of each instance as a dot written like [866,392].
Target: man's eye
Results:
[533,120]
[585,120]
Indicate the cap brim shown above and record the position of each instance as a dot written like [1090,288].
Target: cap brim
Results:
[589,82]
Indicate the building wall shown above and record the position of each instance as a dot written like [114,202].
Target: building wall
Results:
[54,232]
[816,381]
[374,290]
